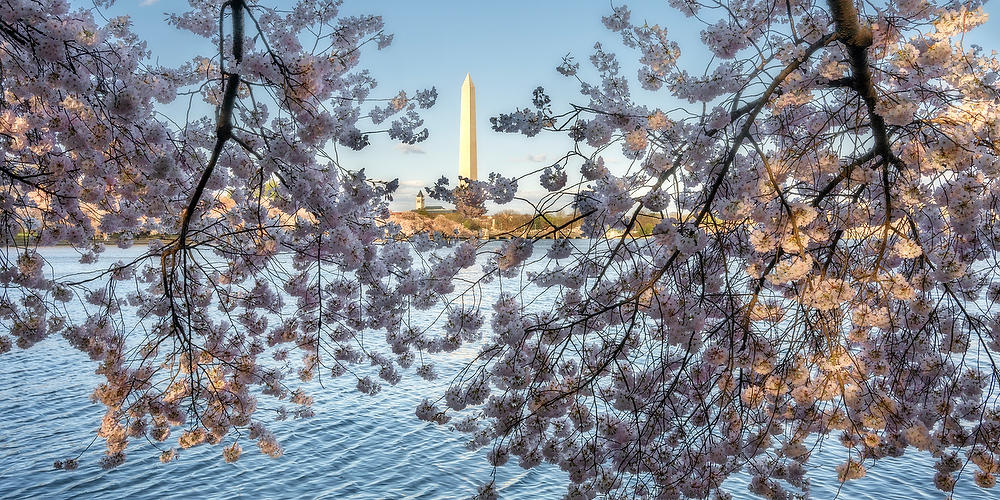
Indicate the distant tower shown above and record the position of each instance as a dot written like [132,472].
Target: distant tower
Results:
[467,137]
[420,200]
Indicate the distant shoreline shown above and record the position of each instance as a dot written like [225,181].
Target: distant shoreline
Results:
[22,241]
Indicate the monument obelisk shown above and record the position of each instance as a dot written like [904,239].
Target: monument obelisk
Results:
[467,136]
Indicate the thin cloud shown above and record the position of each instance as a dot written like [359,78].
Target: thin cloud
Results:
[538,158]
[147,3]
[410,149]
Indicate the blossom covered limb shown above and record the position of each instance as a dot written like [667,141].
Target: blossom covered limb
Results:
[248,212]
[820,271]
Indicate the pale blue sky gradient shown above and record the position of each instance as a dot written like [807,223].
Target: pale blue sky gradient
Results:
[509,47]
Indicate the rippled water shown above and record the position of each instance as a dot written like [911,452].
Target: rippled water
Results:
[355,447]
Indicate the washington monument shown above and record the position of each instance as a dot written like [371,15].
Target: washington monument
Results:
[467,137]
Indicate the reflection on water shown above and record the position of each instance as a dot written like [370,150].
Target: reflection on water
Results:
[355,447]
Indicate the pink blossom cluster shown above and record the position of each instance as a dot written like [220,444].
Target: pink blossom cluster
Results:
[270,261]
[807,253]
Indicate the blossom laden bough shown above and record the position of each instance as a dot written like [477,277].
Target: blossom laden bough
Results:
[252,213]
[805,252]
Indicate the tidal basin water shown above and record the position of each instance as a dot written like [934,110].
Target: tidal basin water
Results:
[356,446]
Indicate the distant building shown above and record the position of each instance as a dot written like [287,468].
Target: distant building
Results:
[433,209]
[438,209]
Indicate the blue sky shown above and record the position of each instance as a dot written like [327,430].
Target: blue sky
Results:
[509,47]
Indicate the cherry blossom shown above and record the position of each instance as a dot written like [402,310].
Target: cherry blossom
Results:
[251,213]
[805,252]
[804,249]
